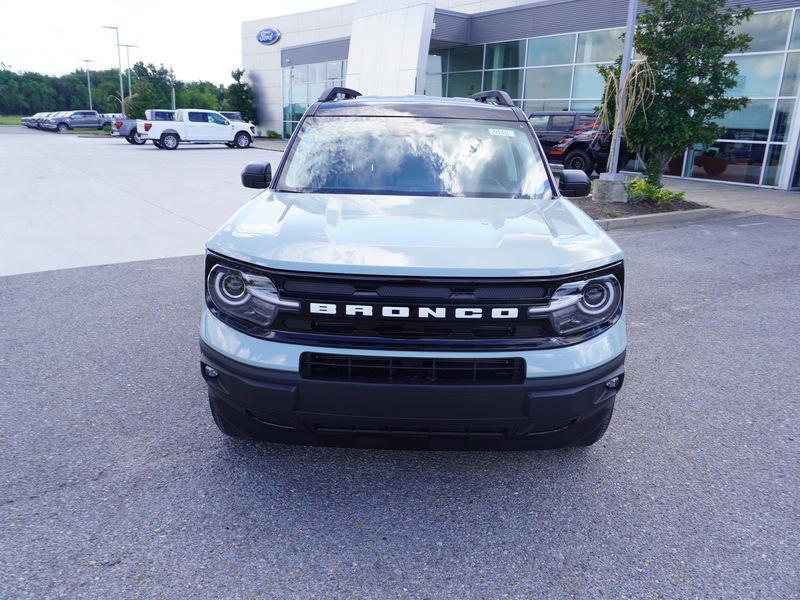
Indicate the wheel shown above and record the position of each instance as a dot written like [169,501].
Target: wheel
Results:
[221,414]
[136,139]
[169,141]
[581,160]
[129,140]
[62,127]
[242,140]
[598,433]
[158,145]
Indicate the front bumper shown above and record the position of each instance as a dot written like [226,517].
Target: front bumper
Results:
[545,412]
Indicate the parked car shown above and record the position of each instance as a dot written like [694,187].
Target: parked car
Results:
[573,139]
[417,277]
[126,128]
[29,121]
[40,118]
[196,126]
[75,119]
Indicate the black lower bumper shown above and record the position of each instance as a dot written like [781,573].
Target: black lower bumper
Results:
[548,412]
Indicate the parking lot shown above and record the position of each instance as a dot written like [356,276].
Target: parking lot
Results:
[116,483]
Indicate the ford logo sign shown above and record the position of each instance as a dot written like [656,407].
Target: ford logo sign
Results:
[268,36]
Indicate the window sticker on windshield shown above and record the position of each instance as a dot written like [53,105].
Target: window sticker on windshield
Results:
[502,132]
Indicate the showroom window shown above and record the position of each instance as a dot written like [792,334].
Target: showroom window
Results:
[303,84]
[559,72]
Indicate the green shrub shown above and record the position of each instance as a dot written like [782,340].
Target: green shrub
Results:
[641,190]
[272,134]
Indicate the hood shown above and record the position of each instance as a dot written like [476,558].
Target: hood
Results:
[415,236]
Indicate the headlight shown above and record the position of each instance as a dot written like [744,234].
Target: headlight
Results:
[245,296]
[581,305]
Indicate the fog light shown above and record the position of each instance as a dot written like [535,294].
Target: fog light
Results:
[212,372]
[611,384]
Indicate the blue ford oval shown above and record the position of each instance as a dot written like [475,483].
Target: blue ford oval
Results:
[268,36]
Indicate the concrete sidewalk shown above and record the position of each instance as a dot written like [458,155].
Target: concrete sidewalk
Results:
[739,198]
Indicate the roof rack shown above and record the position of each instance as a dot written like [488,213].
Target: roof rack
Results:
[333,93]
[500,97]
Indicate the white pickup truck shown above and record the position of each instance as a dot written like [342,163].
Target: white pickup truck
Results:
[196,126]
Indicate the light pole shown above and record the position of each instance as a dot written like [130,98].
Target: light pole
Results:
[119,60]
[128,55]
[88,80]
[611,172]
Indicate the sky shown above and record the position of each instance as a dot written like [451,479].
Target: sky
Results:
[201,40]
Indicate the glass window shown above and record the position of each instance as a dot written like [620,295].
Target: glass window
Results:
[773,164]
[562,123]
[750,123]
[783,118]
[509,81]
[437,61]
[530,106]
[435,84]
[768,30]
[316,72]
[198,117]
[506,55]
[738,162]
[539,122]
[413,156]
[216,119]
[467,58]
[463,84]
[548,82]
[585,104]
[299,74]
[791,74]
[588,82]
[333,69]
[794,42]
[551,50]
[758,75]
[599,46]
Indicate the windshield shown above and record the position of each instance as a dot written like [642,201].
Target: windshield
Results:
[415,157]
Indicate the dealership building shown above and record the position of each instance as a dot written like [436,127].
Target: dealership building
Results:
[544,54]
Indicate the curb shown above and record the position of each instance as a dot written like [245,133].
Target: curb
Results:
[680,216]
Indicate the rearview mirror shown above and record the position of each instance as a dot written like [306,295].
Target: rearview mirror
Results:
[257,175]
[574,183]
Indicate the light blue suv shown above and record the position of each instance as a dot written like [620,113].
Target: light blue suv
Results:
[413,276]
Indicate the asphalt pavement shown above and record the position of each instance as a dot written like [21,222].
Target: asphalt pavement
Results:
[115,483]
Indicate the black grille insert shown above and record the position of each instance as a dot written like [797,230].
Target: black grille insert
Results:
[382,369]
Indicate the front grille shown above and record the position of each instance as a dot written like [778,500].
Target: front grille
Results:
[381,369]
[412,331]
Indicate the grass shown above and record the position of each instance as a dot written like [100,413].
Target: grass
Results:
[9,119]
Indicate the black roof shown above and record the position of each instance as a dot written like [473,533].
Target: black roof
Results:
[416,106]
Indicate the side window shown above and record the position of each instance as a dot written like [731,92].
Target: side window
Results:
[539,122]
[216,119]
[562,122]
[198,117]
[587,122]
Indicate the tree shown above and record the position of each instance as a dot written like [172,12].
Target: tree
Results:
[239,97]
[685,43]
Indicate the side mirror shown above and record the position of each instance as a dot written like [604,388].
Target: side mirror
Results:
[257,175]
[573,183]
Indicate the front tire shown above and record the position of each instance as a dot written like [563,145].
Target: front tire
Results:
[581,160]
[169,141]
[62,127]
[242,140]
[135,139]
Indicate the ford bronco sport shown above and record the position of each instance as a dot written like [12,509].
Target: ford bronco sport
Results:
[412,275]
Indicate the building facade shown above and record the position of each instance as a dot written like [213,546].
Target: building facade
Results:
[544,54]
